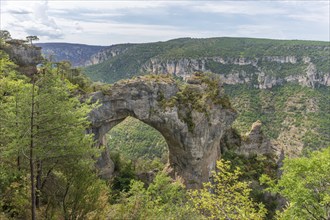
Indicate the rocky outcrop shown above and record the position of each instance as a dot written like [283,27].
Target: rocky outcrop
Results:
[256,143]
[26,56]
[244,70]
[77,54]
[191,117]
[252,143]
[81,54]
[182,67]
[106,53]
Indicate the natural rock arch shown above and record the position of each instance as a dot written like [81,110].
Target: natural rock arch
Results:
[191,116]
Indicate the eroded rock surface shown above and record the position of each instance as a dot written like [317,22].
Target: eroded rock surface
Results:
[251,71]
[252,143]
[255,142]
[26,56]
[191,117]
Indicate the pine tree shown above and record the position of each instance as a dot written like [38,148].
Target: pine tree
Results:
[43,126]
[13,184]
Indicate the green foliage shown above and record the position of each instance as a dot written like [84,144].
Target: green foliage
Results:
[124,173]
[252,168]
[78,191]
[13,182]
[14,200]
[31,38]
[53,131]
[133,152]
[191,98]
[163,199]
[118,66]
[74,75]
[284,109]
[216,67]
[305,184]
[238,47]
[133,56]
[99,86]
[226,197]
[127,139]
[4,35]
[146,165]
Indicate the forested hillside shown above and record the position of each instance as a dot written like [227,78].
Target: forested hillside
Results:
[279,58]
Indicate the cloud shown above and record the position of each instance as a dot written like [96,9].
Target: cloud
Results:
[316,11]
[102,5]
[312,12]
[31,19]
[19,11]
[238,7]
[77,28]
[108,22]
[45,32]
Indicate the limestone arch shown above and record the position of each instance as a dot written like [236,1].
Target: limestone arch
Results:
[190,119]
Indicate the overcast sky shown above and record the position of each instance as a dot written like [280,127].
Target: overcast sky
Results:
[112,22]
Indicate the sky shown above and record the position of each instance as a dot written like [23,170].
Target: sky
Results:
[112,22]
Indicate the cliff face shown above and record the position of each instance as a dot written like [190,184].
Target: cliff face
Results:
[80,54]
[191,118]
[106,54]
[77,54]
[260,63]
[286,92]
[254,72]
[254,142]
[26,56]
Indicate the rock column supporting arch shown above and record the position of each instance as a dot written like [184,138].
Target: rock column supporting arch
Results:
[192,133]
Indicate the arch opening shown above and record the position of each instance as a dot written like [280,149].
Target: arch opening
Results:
[138,142]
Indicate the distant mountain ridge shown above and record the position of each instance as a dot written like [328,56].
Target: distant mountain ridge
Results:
[261,63]
[77,54]
[81,55]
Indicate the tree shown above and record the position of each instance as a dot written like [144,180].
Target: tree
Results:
[44,119]
[32,38]
[5,35]
[305,183]
[163,199]
[57,136]
[78,192]
[31,149]
[13,181]
[225,197]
